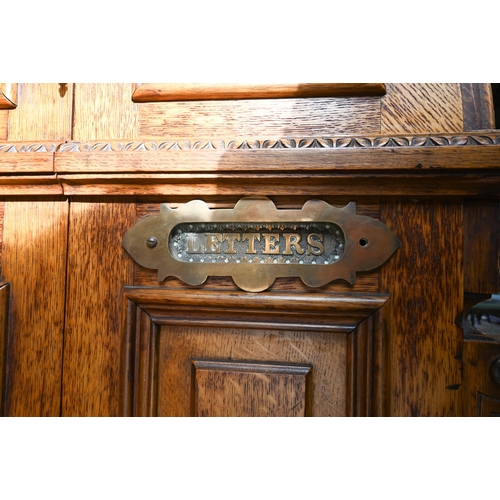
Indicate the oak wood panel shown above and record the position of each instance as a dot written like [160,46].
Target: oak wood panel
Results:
[477,103]
[25,163]
[317,160]
[34,185]
[162,92]
[481,245]
[422,108]
[216,321]
[34,263]
[474,182]
[99,268]
[238,389]
[325,352]
[42,114]
[4,124]
[4,316]
[425,280]
[2,218]
[482,394]
[105,110]
[260,118]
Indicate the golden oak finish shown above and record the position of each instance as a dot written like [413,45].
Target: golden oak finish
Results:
[35,158]
[268,118]
[286,328]
[103,111]
[422,108]
[26,185]
[4,124]
[239,389]
[424,280]
[450,153]
[481,233]
[162,92]
[482,394]
[42,114]
[98,269]
[34,263]
[4,320]
[423,158]
[477,103]
[8,95]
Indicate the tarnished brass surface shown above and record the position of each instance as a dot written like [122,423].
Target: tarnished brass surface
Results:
[255,243]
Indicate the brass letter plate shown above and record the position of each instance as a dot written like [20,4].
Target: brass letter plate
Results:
[255,243]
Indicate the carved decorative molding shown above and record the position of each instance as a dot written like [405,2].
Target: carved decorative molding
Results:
[28,148]
[418,141]
[299,143]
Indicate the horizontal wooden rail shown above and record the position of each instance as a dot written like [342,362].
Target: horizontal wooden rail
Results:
[163,92]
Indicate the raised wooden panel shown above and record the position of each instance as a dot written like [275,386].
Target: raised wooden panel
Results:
[487,406]
[105,111]
[477,103]
[482,394]
[98,269]
[236,389]
[481,245]
[42,114]
[425,281]
[268,118]
[4,316]
[422,108]
[169,329]
[34,263]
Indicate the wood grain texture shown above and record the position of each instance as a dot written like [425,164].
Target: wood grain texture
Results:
[26,185]
[8,95]
[481,245]
[325,352]
[98,269]
[411,159]
[260,118]
[424,279]
[368,366]
[167,329]
[163,92]
[26,162]
[477,104]
[482,394]
[34,263]
[422,108]
[475,183]
[4,124]
[235,389]
[42,114]
[103,111]
[4,319]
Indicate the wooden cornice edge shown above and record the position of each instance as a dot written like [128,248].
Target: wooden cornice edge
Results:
[6,103]
[164,92]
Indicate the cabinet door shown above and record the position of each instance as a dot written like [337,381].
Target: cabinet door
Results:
[213,353]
